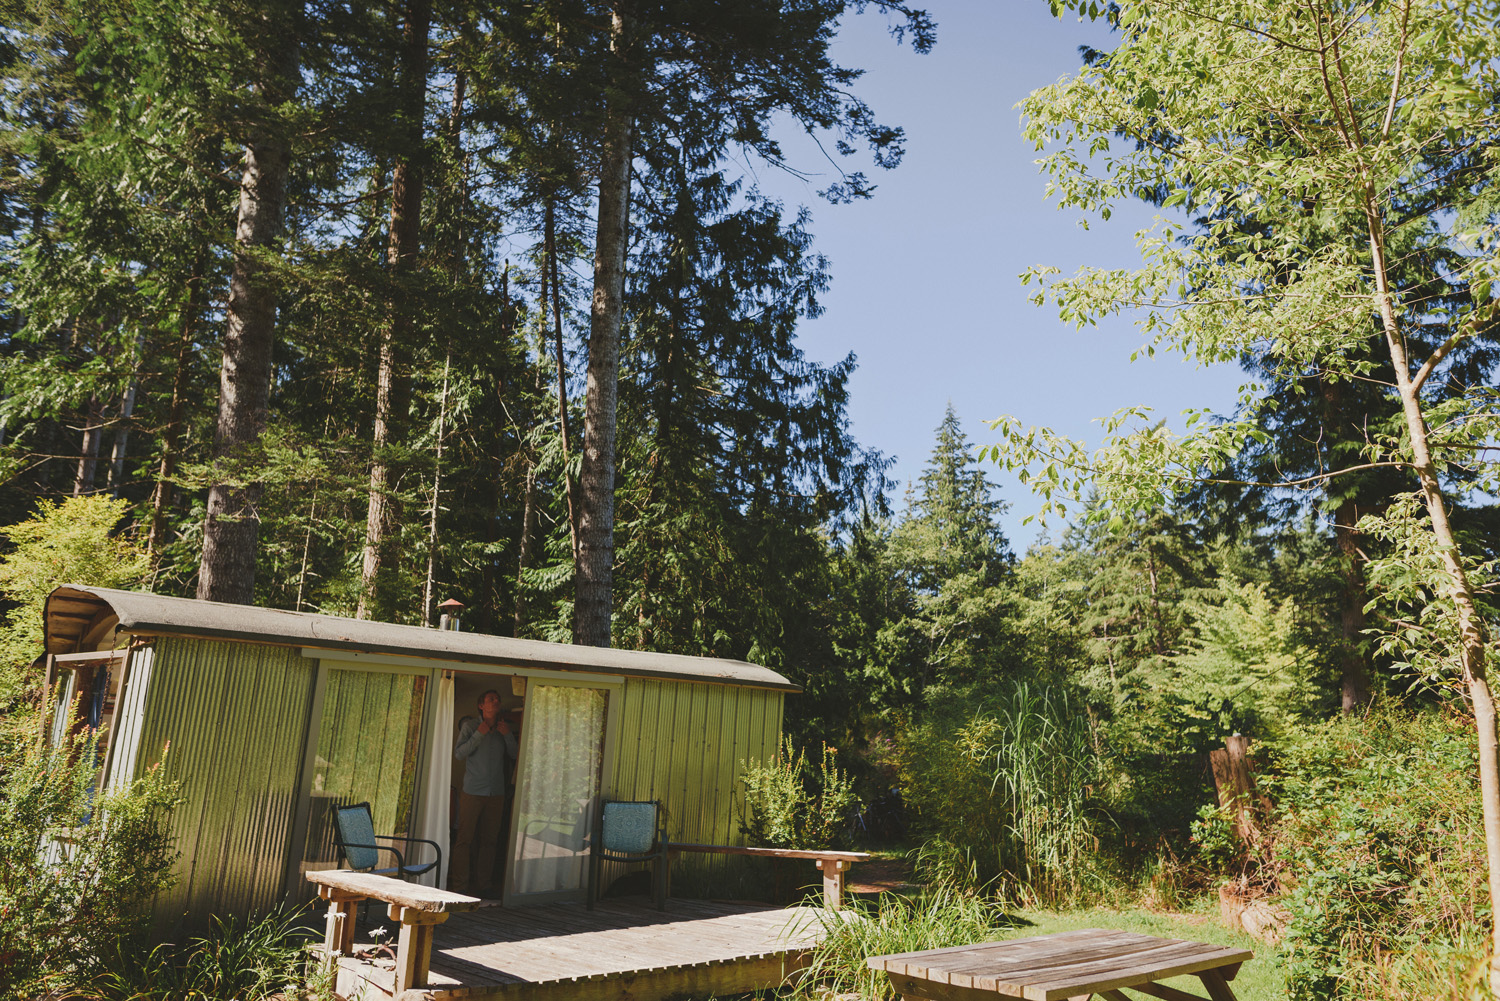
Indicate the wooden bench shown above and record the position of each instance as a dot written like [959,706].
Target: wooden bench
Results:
[418,908]
[833,865]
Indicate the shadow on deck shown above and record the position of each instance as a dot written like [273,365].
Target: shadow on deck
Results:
[623,950]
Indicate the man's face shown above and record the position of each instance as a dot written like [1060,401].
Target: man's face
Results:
[490,704]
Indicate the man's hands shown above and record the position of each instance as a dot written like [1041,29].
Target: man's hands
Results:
[500,726]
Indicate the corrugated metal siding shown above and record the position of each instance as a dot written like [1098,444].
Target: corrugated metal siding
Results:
[235,715]
[683,744]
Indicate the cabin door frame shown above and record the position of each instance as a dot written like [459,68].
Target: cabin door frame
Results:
[328,660]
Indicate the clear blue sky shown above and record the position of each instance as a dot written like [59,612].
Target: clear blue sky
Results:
[925,288]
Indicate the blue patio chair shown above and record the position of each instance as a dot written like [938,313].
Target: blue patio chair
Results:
[629,832]
[357,846]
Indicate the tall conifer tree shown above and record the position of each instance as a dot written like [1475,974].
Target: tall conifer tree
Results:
[230,528]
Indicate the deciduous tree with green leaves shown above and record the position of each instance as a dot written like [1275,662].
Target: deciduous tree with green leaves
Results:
[1321,119]
[63,542]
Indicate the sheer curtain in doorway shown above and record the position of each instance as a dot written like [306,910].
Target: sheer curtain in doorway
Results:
[559,787]
[436,823]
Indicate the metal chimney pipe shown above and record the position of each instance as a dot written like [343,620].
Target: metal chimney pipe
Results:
[448,619]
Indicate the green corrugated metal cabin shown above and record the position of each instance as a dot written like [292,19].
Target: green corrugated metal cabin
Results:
[273,717]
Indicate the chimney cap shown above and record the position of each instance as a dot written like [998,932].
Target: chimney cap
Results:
[451,605]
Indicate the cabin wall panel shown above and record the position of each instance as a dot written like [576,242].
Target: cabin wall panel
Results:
[235,717]
[684,744]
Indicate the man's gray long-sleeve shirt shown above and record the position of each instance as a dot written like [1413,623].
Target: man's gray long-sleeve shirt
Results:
[486,755]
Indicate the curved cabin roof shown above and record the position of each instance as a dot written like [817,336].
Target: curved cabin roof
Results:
[76,614]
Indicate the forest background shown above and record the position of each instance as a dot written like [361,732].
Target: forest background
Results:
[295,313]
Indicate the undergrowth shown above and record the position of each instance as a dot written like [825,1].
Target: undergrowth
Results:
[244,959]
[1000,783]
[936,919]
[1377,850]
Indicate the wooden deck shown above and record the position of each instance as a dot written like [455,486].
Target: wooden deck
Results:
[623,950]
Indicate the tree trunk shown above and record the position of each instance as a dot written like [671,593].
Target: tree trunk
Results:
[171,436]
[122,438]
[1460,590]
[525,555]
[594,575]
[116,477]
[379,597]
[437,496]
[231,528]
[88,457]
[1354,670]
[562,371]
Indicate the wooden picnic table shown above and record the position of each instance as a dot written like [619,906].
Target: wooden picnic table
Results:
[834,865]
[1072,965]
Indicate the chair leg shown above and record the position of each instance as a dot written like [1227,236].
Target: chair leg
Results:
[592,886]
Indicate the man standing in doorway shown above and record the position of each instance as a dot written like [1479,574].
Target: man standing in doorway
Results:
[487,747]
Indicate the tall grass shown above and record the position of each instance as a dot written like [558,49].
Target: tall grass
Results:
[1042,763]
[935,920]
[248,959]
[1002,789]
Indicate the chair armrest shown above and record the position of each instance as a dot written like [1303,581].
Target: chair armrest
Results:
[414,841]
[410,841]
[400,860]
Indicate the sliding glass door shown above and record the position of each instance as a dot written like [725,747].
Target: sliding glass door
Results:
[369,743]
[557,790]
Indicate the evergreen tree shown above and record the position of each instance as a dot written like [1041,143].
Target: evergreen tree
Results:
[953,563]
[952,522]
[716,78]
[272,36]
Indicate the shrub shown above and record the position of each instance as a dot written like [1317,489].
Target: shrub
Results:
[250,959]
[76,868]
[789,803]
[1217,847]
[1376,844]
[64,542]
[1003,780]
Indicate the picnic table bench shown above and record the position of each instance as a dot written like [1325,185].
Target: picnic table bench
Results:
[833,865]
[418,908]
[1067,966]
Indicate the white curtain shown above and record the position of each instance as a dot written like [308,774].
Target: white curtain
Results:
[559,788]
[434,822]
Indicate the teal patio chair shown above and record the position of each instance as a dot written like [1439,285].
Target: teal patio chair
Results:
[357,846]
[630,832]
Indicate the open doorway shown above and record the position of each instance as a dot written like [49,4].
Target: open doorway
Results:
[552,786]
[488,717]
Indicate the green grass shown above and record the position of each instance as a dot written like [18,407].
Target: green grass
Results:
[1260,979]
